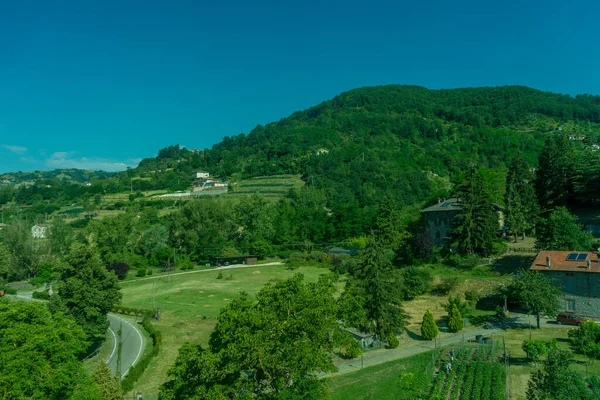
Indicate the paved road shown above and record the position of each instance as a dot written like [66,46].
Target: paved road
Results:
[132,344]
[132,339]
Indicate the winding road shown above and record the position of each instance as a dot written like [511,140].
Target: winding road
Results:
[132,344]
[133,341]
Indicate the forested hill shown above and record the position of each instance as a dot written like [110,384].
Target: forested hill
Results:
[404,140]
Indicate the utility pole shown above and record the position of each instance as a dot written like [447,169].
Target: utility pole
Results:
[119,348]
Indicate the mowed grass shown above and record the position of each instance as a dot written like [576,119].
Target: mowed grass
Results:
[190,305]
[380,382]
[521,367]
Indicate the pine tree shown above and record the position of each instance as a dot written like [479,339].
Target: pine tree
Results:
[455,321]
[554,174]
[381,286]
[429,329]
[520,201]
[477,221]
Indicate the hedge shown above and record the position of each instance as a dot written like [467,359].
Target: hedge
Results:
[138,369]
[139,312]
[41,295]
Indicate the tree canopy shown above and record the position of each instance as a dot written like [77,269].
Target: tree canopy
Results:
[271,348]
[538,292]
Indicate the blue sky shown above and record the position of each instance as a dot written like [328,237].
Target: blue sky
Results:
[102,84]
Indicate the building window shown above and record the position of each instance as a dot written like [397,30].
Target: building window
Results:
[570,305]
[569,285]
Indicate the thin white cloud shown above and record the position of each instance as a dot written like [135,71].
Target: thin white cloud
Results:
[62,159]
[15,149]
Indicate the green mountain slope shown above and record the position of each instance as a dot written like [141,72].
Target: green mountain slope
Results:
[398,140]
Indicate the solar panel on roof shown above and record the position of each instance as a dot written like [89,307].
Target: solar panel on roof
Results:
[581,256]
[446,204]
[572,257]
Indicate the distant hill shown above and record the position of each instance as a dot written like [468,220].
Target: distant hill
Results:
[64,175]
[407,142]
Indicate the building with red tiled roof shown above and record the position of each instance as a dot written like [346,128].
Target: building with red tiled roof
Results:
[578,272]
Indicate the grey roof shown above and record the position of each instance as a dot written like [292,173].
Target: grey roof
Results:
[446,205]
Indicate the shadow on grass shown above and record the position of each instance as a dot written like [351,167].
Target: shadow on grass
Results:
[413,335]
[512,263]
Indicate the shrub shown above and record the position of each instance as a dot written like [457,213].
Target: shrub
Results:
[447,285]
[473,296]
[141,272]
[9,290]
[499,247]
[220,276]
[351,349]
[429,328]
[120,268]
[535,349]
[229,277]
[417,281]
[455,321]
[392,341]
[463,306]
[149,271]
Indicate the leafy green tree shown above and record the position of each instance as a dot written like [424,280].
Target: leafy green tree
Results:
[520,201]
[25,252]
[455,321]
[154,240]
[377,289]
[554,173]
[415,281]
[557,380]
[269,349]
[429,329]
[61,237]
[586,339]
[39,354]
[540,293]
[562,231]
[535,348]
[477,222]
[108,385]
[85,290]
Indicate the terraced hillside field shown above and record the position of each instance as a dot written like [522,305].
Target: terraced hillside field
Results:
[270,186]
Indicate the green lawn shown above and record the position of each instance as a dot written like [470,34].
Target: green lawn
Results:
[380,382]
[190,305]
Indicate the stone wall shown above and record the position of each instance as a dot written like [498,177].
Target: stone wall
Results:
[583,288]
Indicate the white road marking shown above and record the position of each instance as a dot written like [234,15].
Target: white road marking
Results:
[114,346]
[139,350]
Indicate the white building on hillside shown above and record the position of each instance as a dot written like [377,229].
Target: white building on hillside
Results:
[39,231]
[202,175]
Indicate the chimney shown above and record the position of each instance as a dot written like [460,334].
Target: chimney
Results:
[439,200]
[589,264]
[547,261]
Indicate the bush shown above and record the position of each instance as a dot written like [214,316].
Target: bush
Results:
[392,341]
[455,321]
[185,263]
[429,328]
[417,281]
[141,272]
[499,247]
[229,277]
[220,276]
[351,349]
[447,285]
[9,290]
[149,271]
[120,268]
[473,296]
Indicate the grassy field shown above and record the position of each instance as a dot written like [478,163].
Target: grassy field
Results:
[190,305]
[268,186]
[379,382]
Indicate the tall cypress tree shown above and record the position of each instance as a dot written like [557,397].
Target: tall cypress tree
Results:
[477,221]
[520,201]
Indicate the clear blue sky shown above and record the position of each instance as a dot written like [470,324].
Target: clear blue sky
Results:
[101,84]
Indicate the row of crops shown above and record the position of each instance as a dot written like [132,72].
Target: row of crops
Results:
[476,374]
